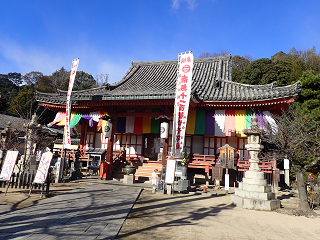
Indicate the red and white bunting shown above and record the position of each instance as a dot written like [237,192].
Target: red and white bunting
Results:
[183,91]
[67,132]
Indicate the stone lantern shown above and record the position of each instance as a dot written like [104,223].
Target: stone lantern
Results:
[253,191]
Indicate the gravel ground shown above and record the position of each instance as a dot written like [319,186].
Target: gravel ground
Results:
[192,216]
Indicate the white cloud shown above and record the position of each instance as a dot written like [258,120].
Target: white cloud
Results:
[27,59]
[116,71]
[14,57]
[192,4]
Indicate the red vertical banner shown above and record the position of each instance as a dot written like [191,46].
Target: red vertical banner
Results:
[183,91]
[67,134]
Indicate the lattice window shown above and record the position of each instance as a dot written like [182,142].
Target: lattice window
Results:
[208,145]
[243,152]
[133,144]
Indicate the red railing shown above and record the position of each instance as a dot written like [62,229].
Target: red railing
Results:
[201,161]
[266,165]
[243,164]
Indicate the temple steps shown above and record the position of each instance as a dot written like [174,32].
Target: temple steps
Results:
[143,170]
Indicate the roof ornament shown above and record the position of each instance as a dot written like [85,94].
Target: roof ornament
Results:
[217,83]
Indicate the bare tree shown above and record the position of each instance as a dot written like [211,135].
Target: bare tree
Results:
[297,138]
[214,54]
[102,79]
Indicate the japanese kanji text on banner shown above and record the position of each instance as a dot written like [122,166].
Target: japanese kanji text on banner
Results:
[67,135]
[8,165]
[43,168]
[183,91]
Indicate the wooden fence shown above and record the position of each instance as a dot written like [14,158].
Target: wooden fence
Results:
[21,181]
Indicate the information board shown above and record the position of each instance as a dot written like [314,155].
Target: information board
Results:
[227,157]
[8,165]
[170,171]
[43,168]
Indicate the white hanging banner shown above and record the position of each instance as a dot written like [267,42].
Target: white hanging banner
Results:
[8,165]
[43,168]
[67,132]
[183,91]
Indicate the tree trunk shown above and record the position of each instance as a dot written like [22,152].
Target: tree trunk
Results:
[303,204]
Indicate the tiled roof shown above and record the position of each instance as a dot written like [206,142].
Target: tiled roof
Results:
[211,81]
[16,122]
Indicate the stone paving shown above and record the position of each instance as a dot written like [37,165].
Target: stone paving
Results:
[94,211]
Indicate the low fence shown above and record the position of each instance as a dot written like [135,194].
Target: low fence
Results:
[21,181]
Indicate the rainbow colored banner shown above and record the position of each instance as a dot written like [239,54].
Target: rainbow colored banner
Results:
[200,122]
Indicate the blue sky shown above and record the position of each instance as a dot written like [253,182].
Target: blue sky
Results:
[106,35]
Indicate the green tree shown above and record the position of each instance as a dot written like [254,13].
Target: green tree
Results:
[309,99]
[60,79]
[9,87]
[264,71]
[23,103]
[84,81]
[239,65]
[32,78]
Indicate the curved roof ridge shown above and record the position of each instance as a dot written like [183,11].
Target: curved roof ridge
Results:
[272,85]
[209,59]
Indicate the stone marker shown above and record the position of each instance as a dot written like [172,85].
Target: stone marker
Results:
[128,179]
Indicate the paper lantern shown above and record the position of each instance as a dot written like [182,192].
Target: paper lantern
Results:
[107,129]
[164,130]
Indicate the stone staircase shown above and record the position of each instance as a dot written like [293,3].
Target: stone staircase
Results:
[143,172]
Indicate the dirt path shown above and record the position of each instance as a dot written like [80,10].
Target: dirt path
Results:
[186,216]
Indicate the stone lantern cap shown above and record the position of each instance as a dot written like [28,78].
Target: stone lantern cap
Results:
[254,129]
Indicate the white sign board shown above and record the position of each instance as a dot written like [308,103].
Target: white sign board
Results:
[170,171]
[8,165]
[43,168]
[226,182]
[286,165]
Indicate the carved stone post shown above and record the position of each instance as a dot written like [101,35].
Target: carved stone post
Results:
[31,139]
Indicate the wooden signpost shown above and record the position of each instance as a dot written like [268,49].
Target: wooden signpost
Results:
[8,166]
[227,161]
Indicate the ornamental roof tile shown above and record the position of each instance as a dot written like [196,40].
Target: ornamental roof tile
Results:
[211,82]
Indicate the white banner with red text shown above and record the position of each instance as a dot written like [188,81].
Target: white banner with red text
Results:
[183,91]
[67,132]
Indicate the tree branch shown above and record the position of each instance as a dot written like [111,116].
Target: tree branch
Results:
[312,163]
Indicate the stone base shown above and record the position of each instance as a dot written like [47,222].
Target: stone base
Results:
[254,193]
[255,204]
[128,179]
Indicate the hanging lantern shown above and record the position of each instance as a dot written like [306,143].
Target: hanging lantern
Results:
[107,129]
[164,130]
